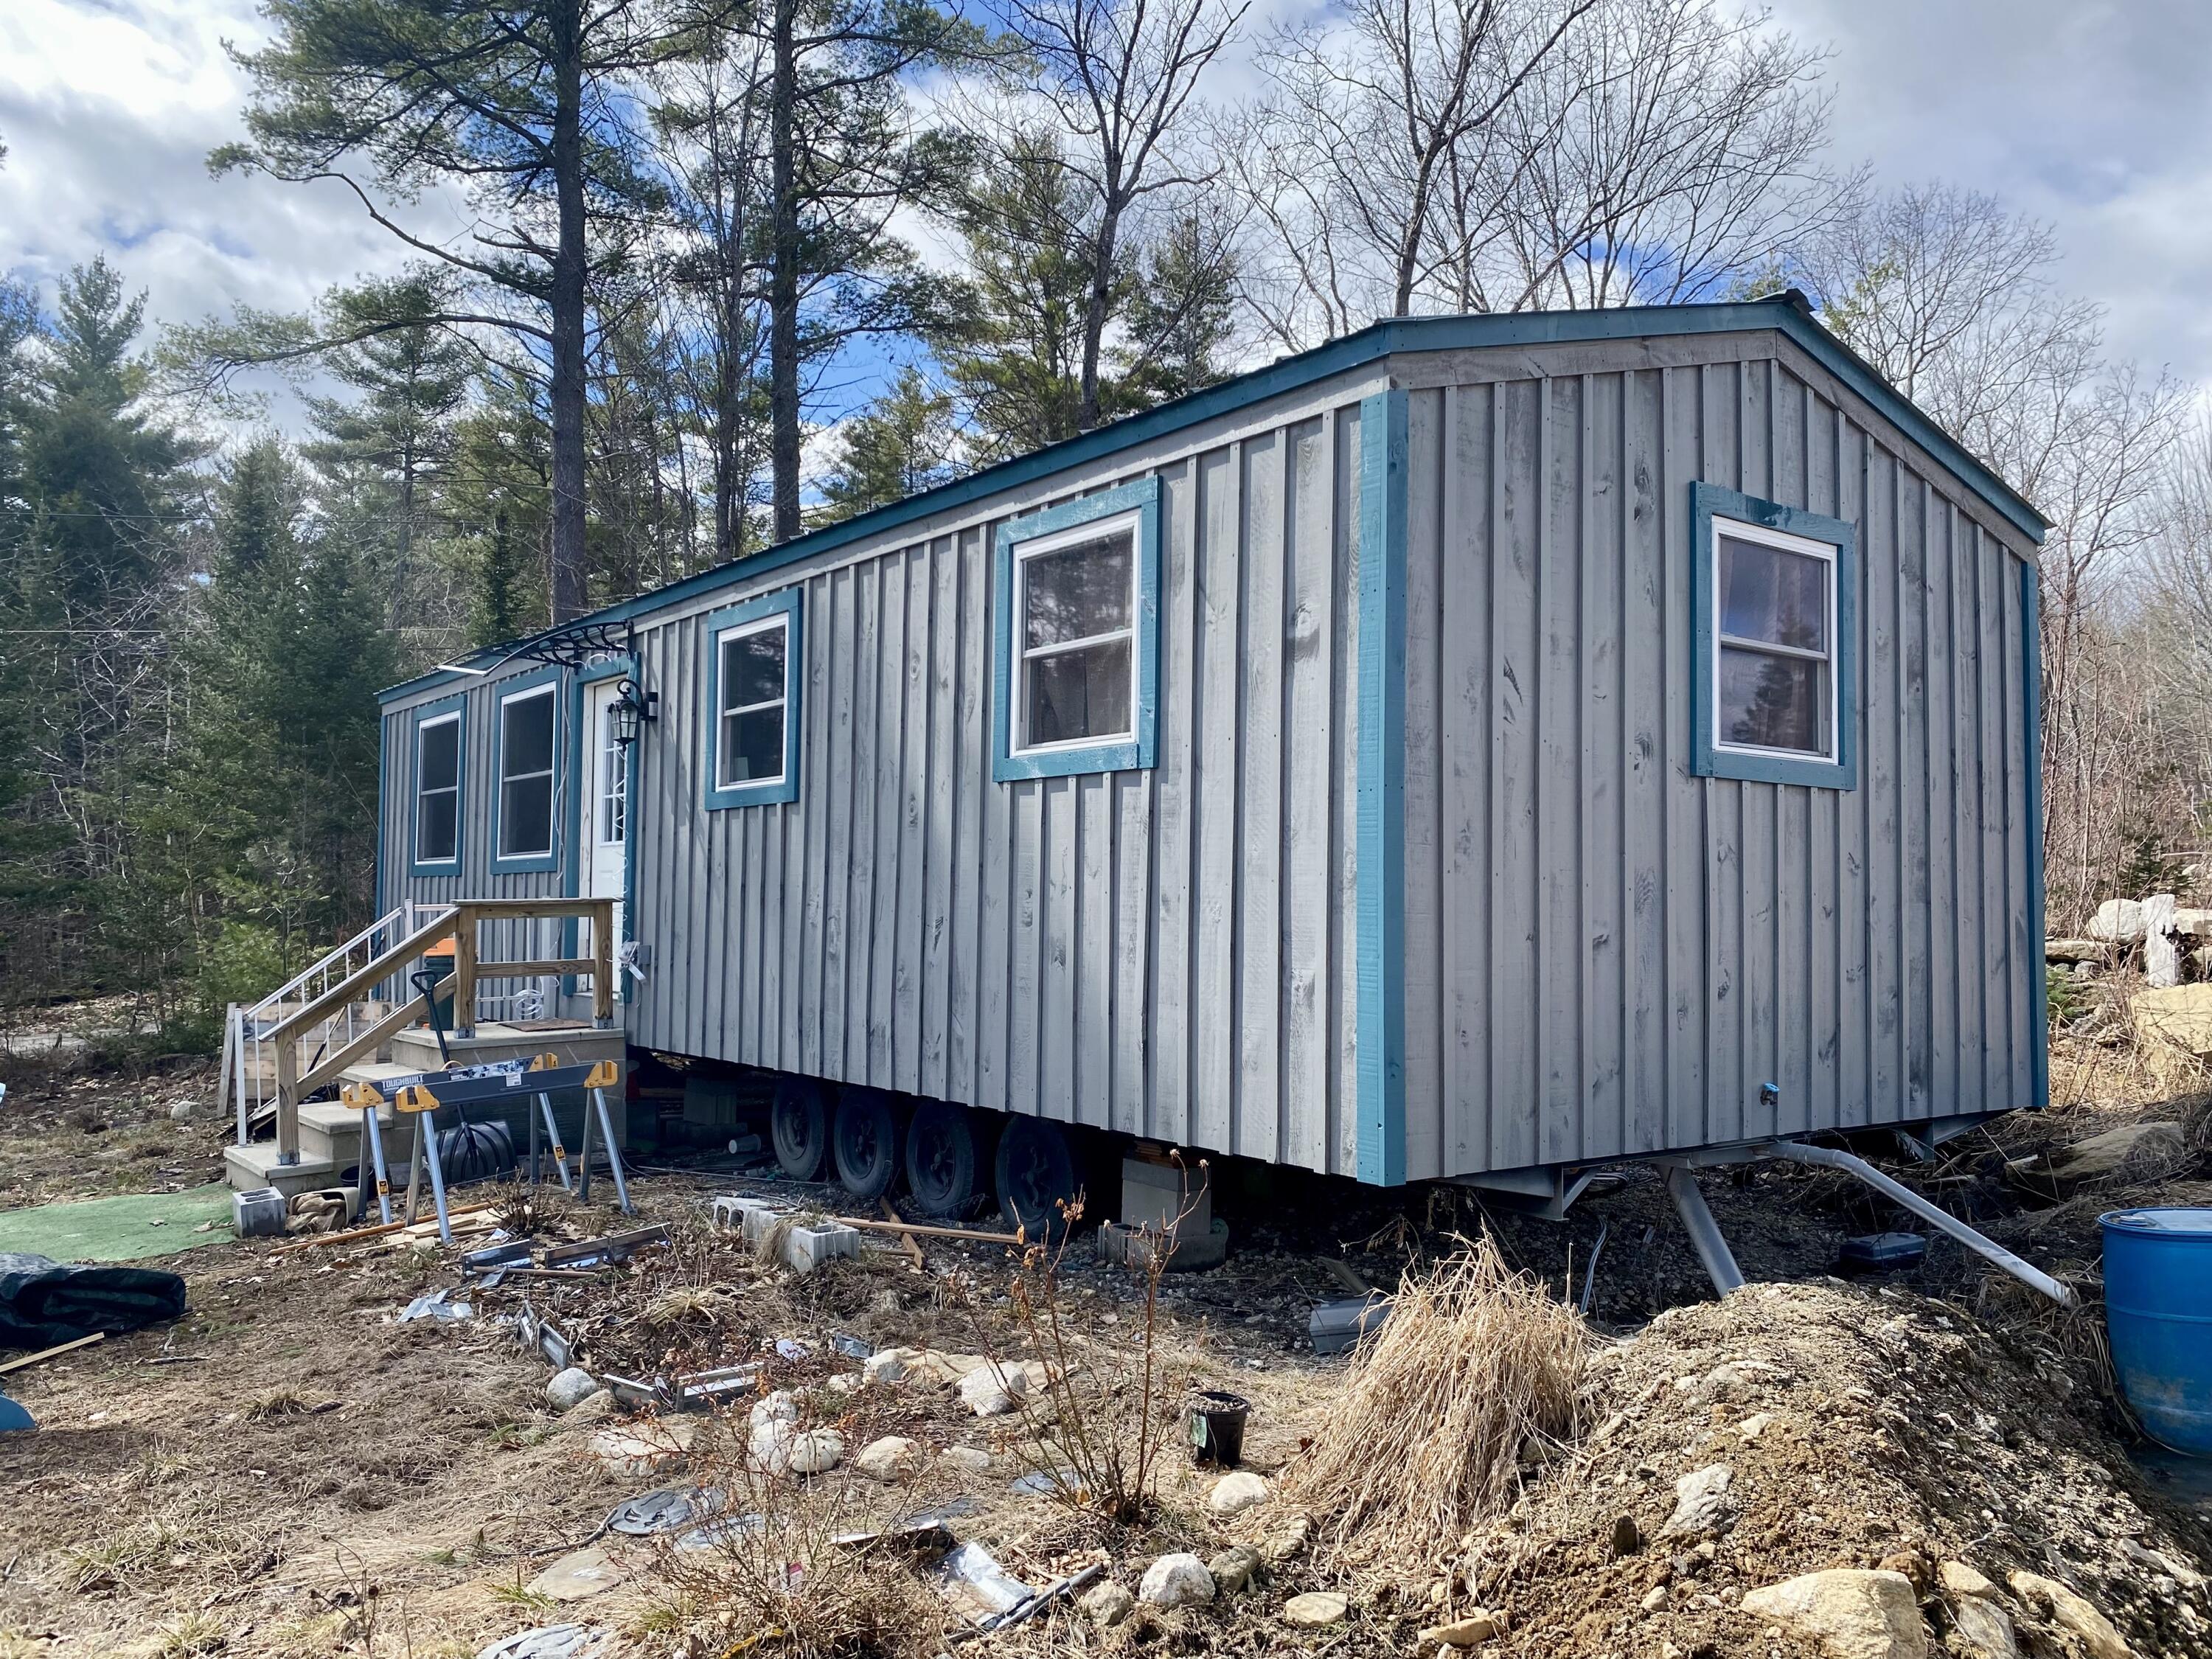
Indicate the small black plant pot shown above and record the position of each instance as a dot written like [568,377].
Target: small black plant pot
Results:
[1217,1428]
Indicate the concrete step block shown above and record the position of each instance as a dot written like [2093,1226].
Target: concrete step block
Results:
[255,1166]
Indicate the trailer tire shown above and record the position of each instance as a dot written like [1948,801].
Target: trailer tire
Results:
[1036,1174]
[941,1156]
[864,1143]
[799,1125]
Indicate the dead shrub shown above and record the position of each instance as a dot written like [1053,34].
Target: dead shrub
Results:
[770,1574]
[1474,1360]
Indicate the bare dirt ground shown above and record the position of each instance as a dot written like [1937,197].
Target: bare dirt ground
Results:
[289,1471]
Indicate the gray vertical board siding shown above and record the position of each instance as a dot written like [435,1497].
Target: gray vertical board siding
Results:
[1161,951]
[1626,952]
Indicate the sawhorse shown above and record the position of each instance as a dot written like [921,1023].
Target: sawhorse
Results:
[595,1083]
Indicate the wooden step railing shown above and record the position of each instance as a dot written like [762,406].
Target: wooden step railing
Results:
[463,922]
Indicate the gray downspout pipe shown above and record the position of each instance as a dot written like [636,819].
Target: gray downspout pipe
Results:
[1828,1158]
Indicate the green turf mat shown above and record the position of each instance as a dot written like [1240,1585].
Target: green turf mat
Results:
[119,1229]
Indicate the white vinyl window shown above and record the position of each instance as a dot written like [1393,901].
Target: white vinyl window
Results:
[1075,610]
[438,790]
[526,773]
[752,688]
[1774,642]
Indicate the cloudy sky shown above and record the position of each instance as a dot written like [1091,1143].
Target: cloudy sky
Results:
[2097,117]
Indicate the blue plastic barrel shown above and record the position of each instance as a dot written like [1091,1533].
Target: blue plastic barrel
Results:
[2158,1307]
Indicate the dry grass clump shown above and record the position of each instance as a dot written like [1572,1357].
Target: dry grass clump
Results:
[1474,1360]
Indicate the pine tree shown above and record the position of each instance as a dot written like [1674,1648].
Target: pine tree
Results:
[1179,319]
[906,442]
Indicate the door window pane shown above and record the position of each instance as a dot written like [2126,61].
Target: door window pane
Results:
[614,778]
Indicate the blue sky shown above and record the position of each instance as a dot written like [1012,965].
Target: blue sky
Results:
[2092,115]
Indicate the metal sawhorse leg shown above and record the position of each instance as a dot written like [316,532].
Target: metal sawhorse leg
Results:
[418,1102]
[370,1100]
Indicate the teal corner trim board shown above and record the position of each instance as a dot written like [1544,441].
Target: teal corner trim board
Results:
[2031,657]
[1380,1076]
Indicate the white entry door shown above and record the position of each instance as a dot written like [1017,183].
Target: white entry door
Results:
[607,843]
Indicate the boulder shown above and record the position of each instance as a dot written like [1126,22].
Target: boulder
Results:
[894,1457]
[1980,1629]
[1702,1503]
[1233,1568]
[1471,1632]
[1108,1605]
[1233,1494]
[2133,1146]
[1316,1608]
[2193,924]
[2180,1015]
[816,1451]
[582,1573]
[628,1454]
[571,1388]
[1180,1580]
[2074,951]
[890,1365]
[2117,921]
[1846,1613]
[2070,1612]
[990,1391]
[1960,1579]
[973,1459]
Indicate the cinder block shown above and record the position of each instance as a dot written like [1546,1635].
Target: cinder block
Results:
[751,1216]
[1153,1195]
[1132,1246]
[808,1245]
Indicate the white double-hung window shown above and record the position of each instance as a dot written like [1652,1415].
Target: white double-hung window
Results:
[753,656]
[438,793]
[1775,631]
[528,724]
[1075,625]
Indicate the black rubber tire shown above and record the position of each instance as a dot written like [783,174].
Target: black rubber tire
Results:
[864,1142]
[1034,1172]
[942,1151]
[799,1125]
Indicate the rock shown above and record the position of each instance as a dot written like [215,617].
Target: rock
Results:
[782,1407]
[2180,1015]
[1180,1580]
[1627,1536]
[1108,1605]
[1980,1629]
[990,1391]
[627,1454]
[1316,1608]
[546,1642]
[1470,1631]
[1233,1568]
[1754,1426]
[2141,1147]
[2187,1577]
[595,1408]
[2117,921]
[2162,956]
[894,1457]
[1233,1494]
[572,1387]
[2193,924]
[1702,1503]
[974,1459]
[891,1366]
[1958,1578]
[582,1573]
[1655,1598]
[181,1112]
[2076,951]
[1846,1613]
[846,1383]
[1287,1542]
[2069,1612]
[817,1451]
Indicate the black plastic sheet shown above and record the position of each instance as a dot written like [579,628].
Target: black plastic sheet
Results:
[44,1303]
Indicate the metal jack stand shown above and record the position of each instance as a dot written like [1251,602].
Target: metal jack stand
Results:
[1704,1232]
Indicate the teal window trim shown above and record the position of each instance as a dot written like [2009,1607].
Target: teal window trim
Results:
[503,692]
[1707,757]
[1380,878]
[773,791]
[455,708]
[2031,656]
[1134,752]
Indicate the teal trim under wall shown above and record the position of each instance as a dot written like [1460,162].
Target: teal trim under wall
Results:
[416,718]
[2031,630]
[785,603]
[1380,909]
[502,693]
[1707,760]
[1117,755]
[1369,345]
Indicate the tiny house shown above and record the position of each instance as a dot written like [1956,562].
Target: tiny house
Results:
[1474,750]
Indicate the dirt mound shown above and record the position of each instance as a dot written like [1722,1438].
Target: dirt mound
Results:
[1858,1428]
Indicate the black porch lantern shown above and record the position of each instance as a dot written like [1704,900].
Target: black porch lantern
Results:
[633,708]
